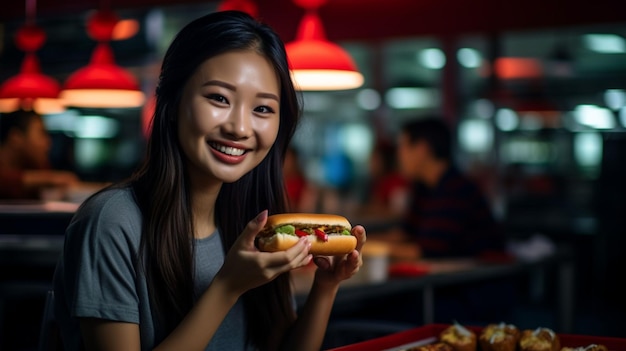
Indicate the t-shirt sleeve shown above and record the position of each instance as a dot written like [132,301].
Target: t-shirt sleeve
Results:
[100,262]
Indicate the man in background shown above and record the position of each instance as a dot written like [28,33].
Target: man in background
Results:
[24,159]
[447,215]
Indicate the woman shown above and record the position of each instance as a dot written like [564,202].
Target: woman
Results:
[167,260]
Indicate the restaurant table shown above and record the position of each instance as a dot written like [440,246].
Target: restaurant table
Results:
[451,272]
[29,250]
[35,217]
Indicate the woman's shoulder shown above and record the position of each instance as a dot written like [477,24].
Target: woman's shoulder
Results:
[112,196]
[110,217]
[113,204]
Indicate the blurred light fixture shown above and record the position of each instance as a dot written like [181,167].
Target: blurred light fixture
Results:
[432,58]
[102,83]
[125,29]
[403,98]
[594,116]
[246,6]
[506,119]
[315,62]
[588,149]
[469,57]
[30,89]
[475,135]
[518,68]
[605,43]
[96,127]
[615,98]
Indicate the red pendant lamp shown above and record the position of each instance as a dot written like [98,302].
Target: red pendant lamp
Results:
[30,89]
[102,83]
[247,6]
[315,62]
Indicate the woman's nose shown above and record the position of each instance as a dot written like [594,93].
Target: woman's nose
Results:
[239,123]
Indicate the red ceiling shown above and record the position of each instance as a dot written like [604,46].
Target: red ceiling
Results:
[376,19]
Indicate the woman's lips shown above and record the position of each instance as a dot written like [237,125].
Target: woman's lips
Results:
[227,154]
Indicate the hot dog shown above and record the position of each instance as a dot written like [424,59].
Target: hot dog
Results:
[328,234]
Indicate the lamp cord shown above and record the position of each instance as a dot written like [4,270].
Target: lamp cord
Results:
[31,11]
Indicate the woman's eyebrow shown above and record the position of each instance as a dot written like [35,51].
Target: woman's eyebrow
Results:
[268,96]
[221,84]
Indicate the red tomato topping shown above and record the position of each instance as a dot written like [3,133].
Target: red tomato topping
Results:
[301,233]
[320,235]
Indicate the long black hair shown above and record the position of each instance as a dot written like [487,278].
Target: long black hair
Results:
[162,187]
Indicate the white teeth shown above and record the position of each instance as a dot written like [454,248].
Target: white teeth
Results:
[228,150]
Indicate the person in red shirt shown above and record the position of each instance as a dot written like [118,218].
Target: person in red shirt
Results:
[24,158]
[388,189]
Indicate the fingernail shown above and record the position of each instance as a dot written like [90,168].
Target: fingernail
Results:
[261,216]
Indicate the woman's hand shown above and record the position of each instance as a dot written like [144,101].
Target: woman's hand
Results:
[245,267]
[332,270]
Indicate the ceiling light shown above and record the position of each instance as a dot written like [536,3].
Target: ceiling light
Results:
[432,58]
[594,116]
[102,83]
[30,89]
[605,43]
[315,62]
[469,58]
[247,6]
[518,68]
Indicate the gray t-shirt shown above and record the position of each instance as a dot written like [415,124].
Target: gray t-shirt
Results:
[98,275]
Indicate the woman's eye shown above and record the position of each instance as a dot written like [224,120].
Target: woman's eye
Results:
[218,98]
[264,109]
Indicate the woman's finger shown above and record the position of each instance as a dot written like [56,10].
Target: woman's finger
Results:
[296,256]
[359,232]
[322,262]
[253,228]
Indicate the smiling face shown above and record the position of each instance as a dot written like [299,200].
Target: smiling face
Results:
[229,115]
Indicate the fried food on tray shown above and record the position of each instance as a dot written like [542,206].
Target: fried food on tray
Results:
[459,337]
[540,339]
[499,337]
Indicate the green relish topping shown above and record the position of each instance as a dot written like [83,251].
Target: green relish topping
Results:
[286,229]
[345,232]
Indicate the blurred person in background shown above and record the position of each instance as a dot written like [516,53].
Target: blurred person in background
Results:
[387,190]
[301,193]
[448,215]
[25,171]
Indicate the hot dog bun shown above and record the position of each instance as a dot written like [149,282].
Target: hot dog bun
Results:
[277,220]
[336,244]
[334,226]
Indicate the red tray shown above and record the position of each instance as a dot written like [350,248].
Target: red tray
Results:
[428,334]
